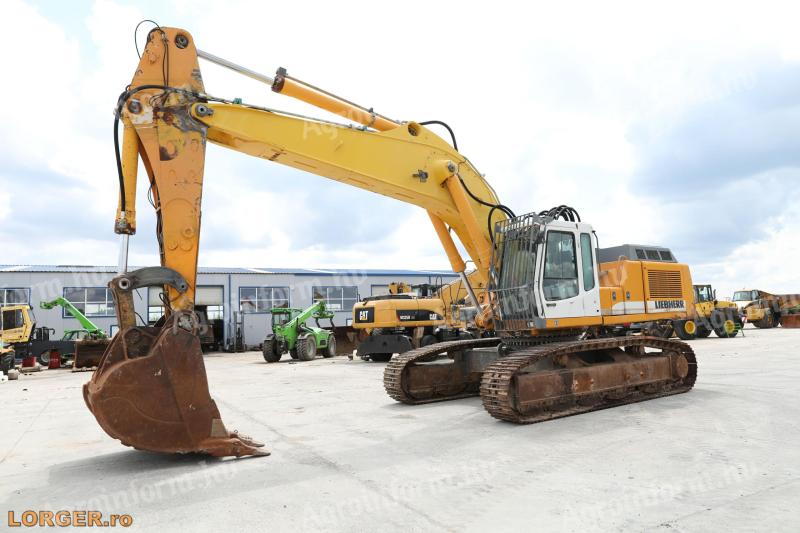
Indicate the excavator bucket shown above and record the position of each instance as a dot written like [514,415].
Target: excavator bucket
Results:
[347,339]
[88,353]
[150,392]
[150,389]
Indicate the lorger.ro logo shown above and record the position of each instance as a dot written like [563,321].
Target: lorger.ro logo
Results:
[40,519]
[669,304]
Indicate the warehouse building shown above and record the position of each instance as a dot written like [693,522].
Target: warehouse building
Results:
[237,301]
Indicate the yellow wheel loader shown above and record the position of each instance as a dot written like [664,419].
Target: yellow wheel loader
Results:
[710,314]
[544,286]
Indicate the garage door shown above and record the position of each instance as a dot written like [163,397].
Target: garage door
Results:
[209,295]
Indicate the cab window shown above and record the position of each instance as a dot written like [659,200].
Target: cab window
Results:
[12,319]
[560,267]
[586,262]
[704,293]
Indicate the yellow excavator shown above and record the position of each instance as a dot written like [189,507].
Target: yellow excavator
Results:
[550,302]
[410,316]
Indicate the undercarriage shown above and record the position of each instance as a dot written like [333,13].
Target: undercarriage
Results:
[547,381]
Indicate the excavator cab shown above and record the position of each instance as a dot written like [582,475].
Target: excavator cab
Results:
[547,270]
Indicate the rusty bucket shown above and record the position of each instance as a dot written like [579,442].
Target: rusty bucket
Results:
[150,392]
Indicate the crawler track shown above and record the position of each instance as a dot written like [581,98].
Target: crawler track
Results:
[395,374]
[500,388]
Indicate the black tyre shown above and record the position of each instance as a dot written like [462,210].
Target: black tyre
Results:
[330,349]
[293,353]
[427,340]
[306,348]
[723,324]
[736,321]
[680,328]
[44,357]
[380,357]
[703,331]
[7,362]
[465,336]
[270,350]
[765,323]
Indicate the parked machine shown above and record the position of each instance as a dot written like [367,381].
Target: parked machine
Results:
[408,317]
[29,342]
[290,334]
[89,340]
[711,314]
[765,310]
[546,288]
[7,358]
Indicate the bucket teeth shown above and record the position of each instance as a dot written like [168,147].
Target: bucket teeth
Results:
[234,446]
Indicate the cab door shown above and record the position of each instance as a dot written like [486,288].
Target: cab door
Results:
[589,281]
[560,287]
[15,325]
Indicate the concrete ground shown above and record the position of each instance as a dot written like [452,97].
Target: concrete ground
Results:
[723,457]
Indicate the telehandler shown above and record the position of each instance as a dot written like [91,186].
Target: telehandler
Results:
[540,269]
[90,340]
[291,334]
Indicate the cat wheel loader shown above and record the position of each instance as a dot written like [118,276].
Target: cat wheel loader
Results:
[291,334]
[540,269]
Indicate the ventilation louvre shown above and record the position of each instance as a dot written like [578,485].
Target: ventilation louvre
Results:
[665,284]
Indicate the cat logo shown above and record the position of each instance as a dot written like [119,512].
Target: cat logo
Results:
[366,314]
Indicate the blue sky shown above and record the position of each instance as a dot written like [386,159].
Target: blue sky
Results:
[673,125]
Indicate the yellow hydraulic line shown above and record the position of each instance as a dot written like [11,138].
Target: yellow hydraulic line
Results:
[126,222]
[456,262]
[481,243]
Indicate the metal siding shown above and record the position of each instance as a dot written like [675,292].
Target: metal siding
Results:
[47,282]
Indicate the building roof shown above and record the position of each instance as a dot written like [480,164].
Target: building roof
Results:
[236,270]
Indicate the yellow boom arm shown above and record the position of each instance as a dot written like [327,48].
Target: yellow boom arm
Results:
[169,128]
